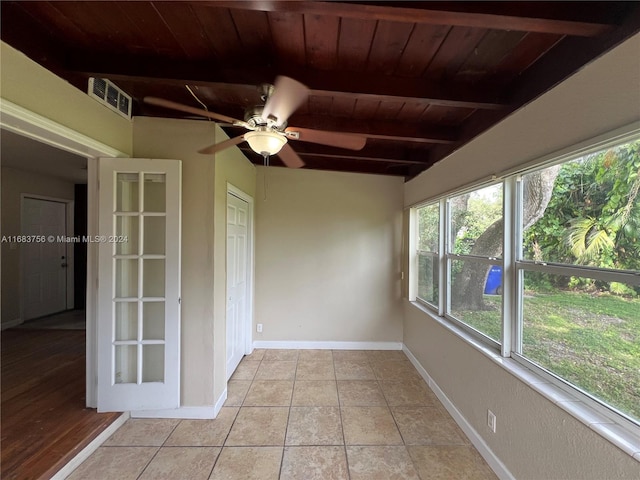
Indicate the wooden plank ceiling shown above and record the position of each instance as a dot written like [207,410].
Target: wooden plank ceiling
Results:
[419,79]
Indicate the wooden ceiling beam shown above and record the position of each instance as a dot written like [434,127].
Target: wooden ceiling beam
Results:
[480,17]
[320,83]
[552,69]
[394,89]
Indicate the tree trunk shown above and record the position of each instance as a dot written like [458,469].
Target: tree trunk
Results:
[468,287]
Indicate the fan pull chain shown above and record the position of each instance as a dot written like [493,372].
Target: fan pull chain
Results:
[266,164]
[264,179]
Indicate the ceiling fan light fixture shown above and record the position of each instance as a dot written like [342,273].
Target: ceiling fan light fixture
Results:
[265,142]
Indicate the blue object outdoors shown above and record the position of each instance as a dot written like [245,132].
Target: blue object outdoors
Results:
[493,285]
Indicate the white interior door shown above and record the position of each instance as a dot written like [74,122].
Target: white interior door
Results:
[237,280]
[139,286]
[44,262]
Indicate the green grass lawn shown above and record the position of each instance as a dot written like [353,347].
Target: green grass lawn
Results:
[593,341]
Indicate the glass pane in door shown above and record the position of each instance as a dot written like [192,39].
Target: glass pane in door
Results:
[126,363]
[126,321]
[153,278]
[127,189]
[153,321]
[127,230]
[154,235]
[155,192]
[126,278]
[153,363]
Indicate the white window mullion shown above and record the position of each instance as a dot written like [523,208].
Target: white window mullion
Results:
[518,274]
[413,256]
[445,242]
[508,268]
[604,275]
[442,256]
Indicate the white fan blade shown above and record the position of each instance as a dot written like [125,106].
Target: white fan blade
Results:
[288,94]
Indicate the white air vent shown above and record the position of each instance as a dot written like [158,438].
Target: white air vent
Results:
[110,95]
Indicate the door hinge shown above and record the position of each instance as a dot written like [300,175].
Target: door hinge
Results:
[179,301]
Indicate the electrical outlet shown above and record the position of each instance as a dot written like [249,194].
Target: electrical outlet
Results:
[491,421]
[259,328]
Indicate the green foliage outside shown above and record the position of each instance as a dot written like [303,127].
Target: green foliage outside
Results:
[484,207]
[593,218]
[584,330]
[428,227]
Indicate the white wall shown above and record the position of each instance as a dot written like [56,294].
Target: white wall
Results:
[14,183]
[204,180]
[328,256]
[537,440]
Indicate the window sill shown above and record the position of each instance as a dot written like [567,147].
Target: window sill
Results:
[627,438]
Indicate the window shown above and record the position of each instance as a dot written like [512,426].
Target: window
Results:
[475,232]
[578,270]
[428,248]
[572,250]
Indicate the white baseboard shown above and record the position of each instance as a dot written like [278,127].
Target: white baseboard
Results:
[205,412]
[423,373]
[75,462]
[218,406]
[304,345]
[201,413]
[491,458]
[12,323]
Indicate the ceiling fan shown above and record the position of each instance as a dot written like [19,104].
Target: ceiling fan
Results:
[267,124]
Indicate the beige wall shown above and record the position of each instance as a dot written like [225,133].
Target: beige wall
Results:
[328,256]
[537,439]
[203,242]
[27,84]
[15,183]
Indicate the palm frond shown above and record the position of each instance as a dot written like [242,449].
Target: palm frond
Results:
[588,239]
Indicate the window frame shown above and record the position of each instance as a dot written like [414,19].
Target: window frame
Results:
[433,254]
[514,266]
[449,257]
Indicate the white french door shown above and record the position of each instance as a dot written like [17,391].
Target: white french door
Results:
[139,284]
[45,262]
[238,217]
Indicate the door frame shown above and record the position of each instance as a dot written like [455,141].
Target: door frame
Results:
[22,121]
[69,254]
[248,327]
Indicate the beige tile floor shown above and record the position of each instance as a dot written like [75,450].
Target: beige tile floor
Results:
[302,414]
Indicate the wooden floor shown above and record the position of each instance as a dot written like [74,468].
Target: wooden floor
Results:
[44,421]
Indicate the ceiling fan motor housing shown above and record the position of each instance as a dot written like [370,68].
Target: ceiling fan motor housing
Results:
[253,116]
